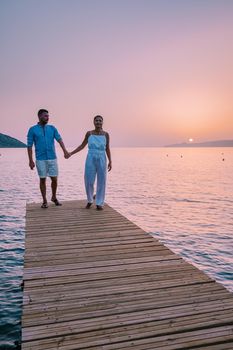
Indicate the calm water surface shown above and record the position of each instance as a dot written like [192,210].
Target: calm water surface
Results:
[184,197]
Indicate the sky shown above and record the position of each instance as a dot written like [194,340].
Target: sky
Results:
[159,72]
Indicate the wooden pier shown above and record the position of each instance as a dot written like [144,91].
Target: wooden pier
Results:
[94,280]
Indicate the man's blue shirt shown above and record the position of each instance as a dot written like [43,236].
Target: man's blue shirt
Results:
[43,139]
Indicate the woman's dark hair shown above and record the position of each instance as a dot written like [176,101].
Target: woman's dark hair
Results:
[41,111]
[98,116]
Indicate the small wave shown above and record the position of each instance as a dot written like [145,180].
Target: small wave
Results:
[188,200]
[222,200]
[206,225]
[10,331]
[226,275]
[8,218]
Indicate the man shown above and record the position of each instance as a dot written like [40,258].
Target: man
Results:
[42,136]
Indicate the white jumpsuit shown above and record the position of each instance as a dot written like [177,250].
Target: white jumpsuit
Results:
[96,165]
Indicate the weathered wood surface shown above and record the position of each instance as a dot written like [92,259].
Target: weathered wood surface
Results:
[94,280]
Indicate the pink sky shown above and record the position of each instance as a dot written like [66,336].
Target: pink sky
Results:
[158,71]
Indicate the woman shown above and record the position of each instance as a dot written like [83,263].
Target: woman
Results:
[98,147]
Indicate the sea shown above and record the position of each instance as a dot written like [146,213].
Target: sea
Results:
[182,196]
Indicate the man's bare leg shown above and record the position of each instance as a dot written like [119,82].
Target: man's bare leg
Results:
[54,190]
[43,191]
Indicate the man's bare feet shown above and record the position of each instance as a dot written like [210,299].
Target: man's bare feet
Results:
[44,205]
[56,202]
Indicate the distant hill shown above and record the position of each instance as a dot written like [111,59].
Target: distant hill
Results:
[220,143]
[9,142]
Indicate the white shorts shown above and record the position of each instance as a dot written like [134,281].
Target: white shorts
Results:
[47,168]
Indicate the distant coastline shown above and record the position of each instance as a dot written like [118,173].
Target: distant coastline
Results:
[10,142]
[220,143]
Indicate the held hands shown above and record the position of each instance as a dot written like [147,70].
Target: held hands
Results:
[67,154]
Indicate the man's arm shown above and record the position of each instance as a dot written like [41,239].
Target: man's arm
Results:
[30,142]
[66,153]
[30,157]
[58,138]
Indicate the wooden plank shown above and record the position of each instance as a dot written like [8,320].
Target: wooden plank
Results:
[113,262]
[104,266]
[70,311]
[96,280]
[122,333]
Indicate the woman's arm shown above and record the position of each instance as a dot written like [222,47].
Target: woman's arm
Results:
[108,152]
[83,144]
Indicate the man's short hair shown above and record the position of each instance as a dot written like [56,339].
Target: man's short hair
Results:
[98,116]
[41,111]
